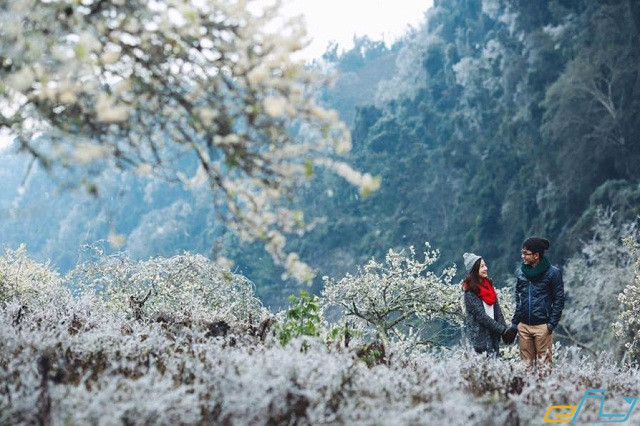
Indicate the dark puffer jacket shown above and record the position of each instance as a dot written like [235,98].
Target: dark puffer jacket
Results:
[539,300]
[482,331]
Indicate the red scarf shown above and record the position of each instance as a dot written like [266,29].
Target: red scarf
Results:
[486,292]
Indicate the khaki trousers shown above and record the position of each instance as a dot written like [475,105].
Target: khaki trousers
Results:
[536,343]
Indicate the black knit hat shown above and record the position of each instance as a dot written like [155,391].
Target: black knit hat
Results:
[536,245]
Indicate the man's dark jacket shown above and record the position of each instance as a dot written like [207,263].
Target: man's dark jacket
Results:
[539,300]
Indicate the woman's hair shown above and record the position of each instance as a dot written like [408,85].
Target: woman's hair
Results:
[473,279]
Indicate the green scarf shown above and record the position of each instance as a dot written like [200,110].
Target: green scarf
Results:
[533,273]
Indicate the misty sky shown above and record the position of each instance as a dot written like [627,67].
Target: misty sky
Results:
[339,20]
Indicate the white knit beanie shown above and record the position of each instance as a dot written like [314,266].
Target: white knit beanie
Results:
[469,260]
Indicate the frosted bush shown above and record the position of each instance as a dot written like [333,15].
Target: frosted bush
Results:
[627,327]
[80,361]
[384,297]
[112,371]
[593,279]
[184,286]
[27,282]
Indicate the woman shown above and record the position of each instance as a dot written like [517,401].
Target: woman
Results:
[484,320]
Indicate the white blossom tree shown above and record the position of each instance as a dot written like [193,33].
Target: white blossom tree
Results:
[204,92]
[383,297]
[184,286]
[627,326]
[26,282]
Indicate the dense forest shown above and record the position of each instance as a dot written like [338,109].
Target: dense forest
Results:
[499,120]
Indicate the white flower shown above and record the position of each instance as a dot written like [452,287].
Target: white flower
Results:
[67,96]
[369,184]
[343,144]
[144,169]
[257,75]
[116,240]
[87,152]
[22,80]
[224,262]
[206,115]
[110,57]
[114,114]
[275,106]
[298,269]
[198,179]
[110,112]
[122,87]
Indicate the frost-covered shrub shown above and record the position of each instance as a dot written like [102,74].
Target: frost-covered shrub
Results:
[507,302]
[508,307]
[183,286]
[76,360]
[627,327]
[593,279]
[383,297]
[27,282]
[81,363]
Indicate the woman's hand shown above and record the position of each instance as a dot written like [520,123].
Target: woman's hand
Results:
[509,336]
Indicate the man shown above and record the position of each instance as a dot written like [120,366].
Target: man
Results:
[539,302]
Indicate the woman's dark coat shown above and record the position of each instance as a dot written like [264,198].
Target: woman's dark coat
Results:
[482,331]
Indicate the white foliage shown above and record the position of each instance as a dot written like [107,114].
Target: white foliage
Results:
[627,326]
[24,281]
[78,361]
[184,286]
[594,278]
[410,75]
[382,297]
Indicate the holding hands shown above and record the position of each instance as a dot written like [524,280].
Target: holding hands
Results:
[509,336]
